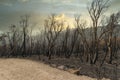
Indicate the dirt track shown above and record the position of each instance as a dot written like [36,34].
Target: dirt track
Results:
[22,69]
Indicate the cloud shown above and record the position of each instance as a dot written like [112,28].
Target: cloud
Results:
[115,3]
[114,6]
[67,1]
[15,8]
[75,4]
[23,1]
[66,19]
[57,1]
[6,4]
[11,2]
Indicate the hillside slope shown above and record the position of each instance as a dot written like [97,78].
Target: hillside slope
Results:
[22,69]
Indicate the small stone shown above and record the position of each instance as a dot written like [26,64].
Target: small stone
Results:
[62,67]
[53,65]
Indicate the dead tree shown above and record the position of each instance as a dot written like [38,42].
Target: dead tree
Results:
[110,30]
[12,37]
[96,9]
[3,47]
[52,31]
[81,26]
[74,37]
[65,42]
[113,22]
[24,24]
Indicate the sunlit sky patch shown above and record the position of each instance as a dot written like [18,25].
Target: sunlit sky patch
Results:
[11,10]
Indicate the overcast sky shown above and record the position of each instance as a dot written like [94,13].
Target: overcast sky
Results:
[11,10]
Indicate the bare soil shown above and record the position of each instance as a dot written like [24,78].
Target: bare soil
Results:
[24,69]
